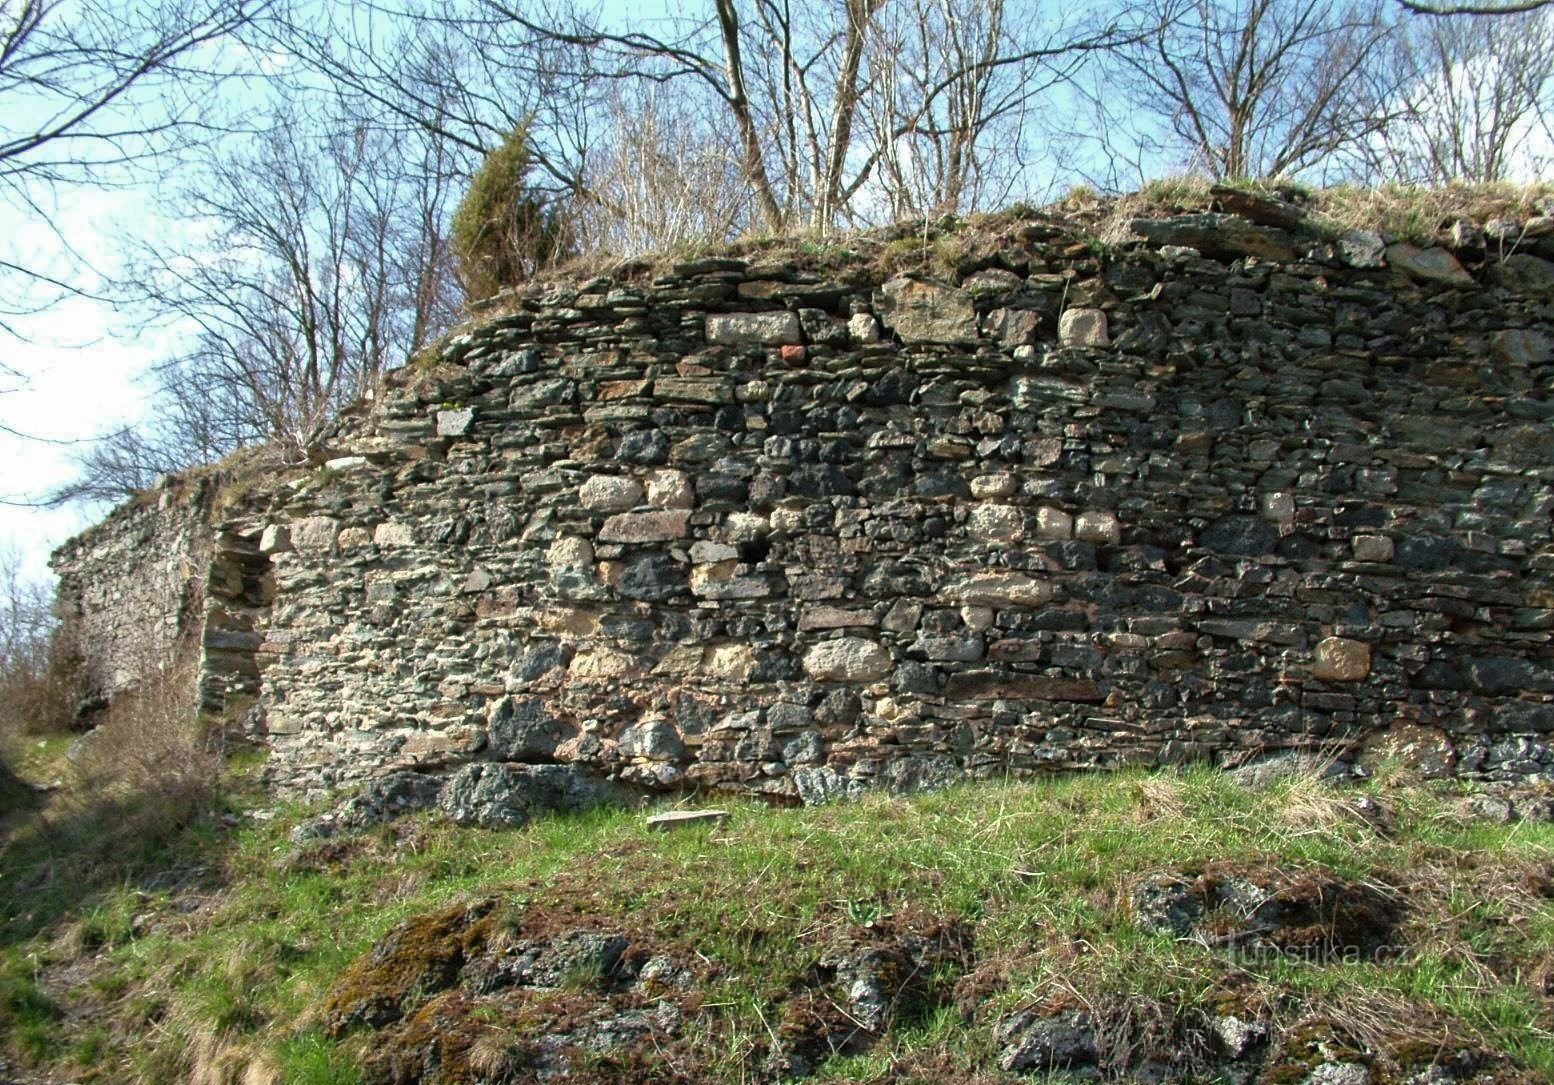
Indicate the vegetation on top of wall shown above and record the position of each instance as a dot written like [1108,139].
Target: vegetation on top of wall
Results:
[501,230]
[940,245]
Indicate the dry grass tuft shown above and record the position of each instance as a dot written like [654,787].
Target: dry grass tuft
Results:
[1420,214]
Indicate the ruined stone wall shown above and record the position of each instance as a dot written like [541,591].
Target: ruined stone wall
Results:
[798,530]
[131,590]
[799,525]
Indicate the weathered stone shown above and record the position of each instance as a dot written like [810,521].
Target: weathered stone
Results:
[920,311]
[1083,328]
[996,523]
[276,539]
[1339,660]
[813,619]
[1523,347]
[315,533]
[1372,548]
[1524,273]
[1240,536]
[523,729]
[393,534]
[610,493]
[597,663]
[864,329]
[570,552]
[1426,751]
[1030,1042]
[497,796]
[685,819]
[656,740]
[992,686]
[1216,234]
[1363,249]
[645,527]
[456,422]
[1054,523]
[710,390]
[1430,265]
[656,577]
[1278,507]
[1098,527]
[849,659]
[670,489]
[761,329]
[1012,327]
[1001,589]
[1002,484]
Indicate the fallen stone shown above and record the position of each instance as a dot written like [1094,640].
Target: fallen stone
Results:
[1031,1042]
[495,795]
[685,819]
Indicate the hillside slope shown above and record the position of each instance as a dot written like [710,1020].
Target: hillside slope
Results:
[1164,927]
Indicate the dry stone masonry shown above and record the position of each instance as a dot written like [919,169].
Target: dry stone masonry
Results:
[798,526]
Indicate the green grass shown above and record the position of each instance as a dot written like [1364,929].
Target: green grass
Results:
[1041,868]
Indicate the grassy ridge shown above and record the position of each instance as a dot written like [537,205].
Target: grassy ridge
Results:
[218,951]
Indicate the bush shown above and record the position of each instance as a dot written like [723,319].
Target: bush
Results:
[37,672]
[139,782]
[152,744]
[502,231]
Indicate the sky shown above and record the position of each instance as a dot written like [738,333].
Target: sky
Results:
[80,362]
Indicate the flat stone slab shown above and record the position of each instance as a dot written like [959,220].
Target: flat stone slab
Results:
[681,819]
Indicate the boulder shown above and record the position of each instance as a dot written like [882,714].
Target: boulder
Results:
[495,795]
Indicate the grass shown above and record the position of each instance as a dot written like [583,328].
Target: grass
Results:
[234,962]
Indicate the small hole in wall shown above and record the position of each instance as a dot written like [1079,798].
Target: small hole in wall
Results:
[755,551]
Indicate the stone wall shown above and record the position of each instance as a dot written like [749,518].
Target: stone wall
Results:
[131,590]
[798,525]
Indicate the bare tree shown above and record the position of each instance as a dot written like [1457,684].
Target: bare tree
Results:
[93,88]
[1255,88]
[952,86]
[319,266]
[661,177]
[1472,90]
[795,85]
[1513,7]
